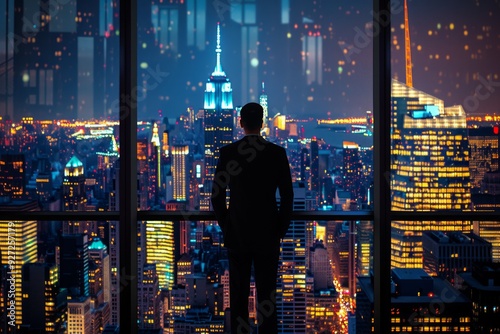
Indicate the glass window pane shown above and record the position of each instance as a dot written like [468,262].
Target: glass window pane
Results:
[59,103]
[444,132]
[59,275]
[310,65]
[184,281]
[310,69]
[444,149]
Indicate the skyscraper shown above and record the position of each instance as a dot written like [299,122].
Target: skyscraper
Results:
[160,250]
[22,234]
[292,291]
[180,159]
[352,173]
[263,102]
[47,302]
[429,163]
[218,114]
[430,168]
[79,316]
[483,145]
[315,181]
[99,255]
[74,186]
[74,266]
[149,299]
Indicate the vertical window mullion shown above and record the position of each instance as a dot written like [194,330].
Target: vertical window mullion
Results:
[382,143]
[127,269]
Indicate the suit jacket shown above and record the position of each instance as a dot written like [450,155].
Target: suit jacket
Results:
[253,169]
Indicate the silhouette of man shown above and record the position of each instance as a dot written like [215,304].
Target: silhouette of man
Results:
[253,169]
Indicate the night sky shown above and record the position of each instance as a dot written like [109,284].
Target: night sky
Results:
[455,49]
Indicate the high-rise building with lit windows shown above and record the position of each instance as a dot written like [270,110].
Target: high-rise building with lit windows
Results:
[352,170]
[430,168]
[218,125]
[46,312]
[315,182]
[483,145]
[74,186]
[149,303]
[292,293]
[22,234]
[79,316]
[12,175]
[98,254]
[490,231]
[180,163]
[160,250]
[364,254]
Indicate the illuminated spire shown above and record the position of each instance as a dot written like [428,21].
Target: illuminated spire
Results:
[155,139]
[218,67]
[409,76]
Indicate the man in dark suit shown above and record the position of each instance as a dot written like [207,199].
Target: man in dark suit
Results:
[253,169]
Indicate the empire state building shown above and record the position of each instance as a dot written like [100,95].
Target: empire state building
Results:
[218,121]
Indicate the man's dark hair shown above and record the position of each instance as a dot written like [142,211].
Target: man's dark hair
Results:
[251,115]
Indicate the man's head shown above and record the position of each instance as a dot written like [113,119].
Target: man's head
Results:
[251,117]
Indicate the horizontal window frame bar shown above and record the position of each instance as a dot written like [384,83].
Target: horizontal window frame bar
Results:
[210,215]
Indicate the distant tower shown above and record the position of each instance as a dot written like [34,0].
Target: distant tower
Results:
[409,76]
[263,103]
[218,113]
[180,155]
[74,186]
[98,253]
[315,166]
[156,154]
[352,173]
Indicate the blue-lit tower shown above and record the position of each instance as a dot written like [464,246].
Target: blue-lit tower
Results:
[219,113]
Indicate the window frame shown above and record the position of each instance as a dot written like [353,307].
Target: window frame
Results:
[128,215]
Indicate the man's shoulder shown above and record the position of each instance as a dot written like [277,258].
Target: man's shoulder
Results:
[253,141]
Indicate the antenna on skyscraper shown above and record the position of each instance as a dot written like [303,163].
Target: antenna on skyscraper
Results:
[218,67]
[409,75]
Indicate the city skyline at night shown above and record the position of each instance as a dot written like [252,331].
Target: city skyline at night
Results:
[310,64]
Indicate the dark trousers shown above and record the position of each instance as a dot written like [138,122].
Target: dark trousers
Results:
[266,271]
